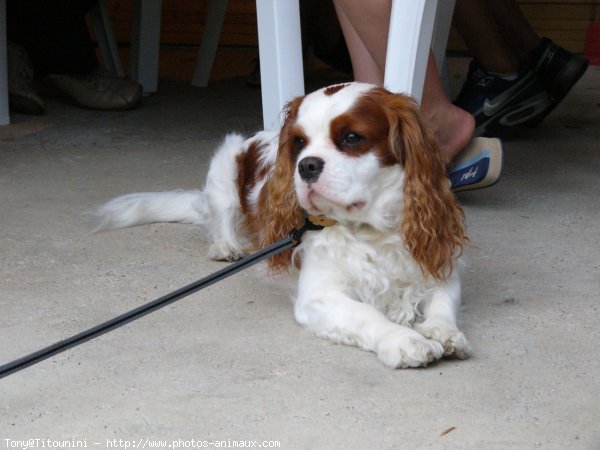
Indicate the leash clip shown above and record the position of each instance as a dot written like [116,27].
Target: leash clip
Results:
[311,223]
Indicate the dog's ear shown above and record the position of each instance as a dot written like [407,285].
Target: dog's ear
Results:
[433,221]
[280,210]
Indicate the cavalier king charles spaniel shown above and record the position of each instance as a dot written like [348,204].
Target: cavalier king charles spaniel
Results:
[384,277]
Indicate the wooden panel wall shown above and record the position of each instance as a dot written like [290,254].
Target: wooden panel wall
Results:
[565,22]
[182,22]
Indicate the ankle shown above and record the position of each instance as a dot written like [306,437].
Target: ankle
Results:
[452,127]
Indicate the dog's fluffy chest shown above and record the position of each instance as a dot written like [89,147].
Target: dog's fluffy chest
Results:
[370,266]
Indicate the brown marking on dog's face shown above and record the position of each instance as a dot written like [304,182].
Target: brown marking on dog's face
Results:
[364,128]
[335,88]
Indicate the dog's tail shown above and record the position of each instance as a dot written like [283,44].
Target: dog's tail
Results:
[151,207]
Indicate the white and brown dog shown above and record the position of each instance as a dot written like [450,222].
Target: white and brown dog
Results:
[383,278]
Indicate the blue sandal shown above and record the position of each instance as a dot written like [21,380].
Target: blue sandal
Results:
[478,166]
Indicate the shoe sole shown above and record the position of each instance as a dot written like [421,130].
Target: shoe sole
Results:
[478,149]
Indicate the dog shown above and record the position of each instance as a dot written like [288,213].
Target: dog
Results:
[385,276]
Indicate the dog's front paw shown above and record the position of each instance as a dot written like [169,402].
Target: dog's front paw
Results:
[405,348]
[222,250]
[452,339]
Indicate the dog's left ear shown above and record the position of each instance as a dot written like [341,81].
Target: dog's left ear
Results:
[280,212]
[433,221]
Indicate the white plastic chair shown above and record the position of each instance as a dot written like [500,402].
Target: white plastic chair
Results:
[105,38]
[145,43]
[415,27]
[280,55]
[279,47]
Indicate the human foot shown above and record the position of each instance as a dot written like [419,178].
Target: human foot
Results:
[452,127]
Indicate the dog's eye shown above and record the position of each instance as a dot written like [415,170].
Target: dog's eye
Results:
[299,143]
[351,139]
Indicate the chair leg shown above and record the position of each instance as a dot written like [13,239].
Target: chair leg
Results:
[106,38]
[280,52]
[4,115]
[210,41]
[145,46]
[409,43]
[441,31]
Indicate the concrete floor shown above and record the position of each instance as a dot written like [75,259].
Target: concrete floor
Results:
[229,363]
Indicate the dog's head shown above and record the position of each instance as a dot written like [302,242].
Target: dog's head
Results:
[361,155]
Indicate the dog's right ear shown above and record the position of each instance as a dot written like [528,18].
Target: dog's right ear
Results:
[279,209]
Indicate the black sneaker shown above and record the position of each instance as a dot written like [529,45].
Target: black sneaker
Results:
[497,103]
[559,70]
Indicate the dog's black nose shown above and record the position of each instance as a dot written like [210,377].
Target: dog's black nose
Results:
[310,168]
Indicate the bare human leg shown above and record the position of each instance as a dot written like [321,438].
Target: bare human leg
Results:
[476,24]
[516,29]
[365,26]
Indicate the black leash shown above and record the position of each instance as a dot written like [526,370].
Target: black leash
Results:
[295,237]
